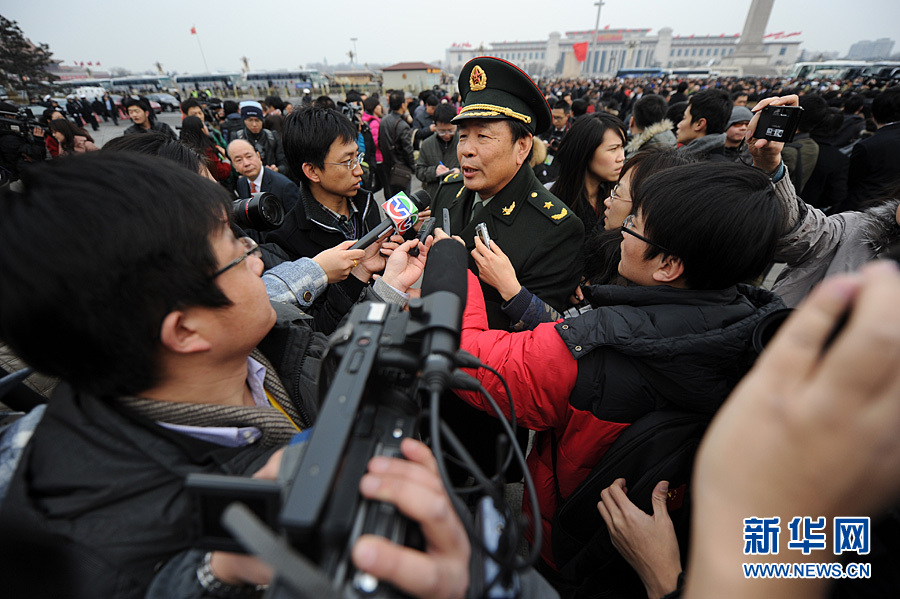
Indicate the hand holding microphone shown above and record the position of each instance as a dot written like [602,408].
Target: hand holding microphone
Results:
[402,214]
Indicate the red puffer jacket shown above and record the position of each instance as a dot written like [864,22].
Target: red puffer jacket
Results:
[541,374]
[641,349]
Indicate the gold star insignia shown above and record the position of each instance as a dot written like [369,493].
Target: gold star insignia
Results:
[477,79]
[508,210]
[548,205]
[560,215]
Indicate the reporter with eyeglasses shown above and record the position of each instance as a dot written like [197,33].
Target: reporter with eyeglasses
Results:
[320,145]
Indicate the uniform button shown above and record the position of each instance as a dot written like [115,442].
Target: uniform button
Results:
[307,296]
[534,194]
[577,348]
[565,327]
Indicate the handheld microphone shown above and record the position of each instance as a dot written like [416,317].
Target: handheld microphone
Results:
[444,289]
[402,212]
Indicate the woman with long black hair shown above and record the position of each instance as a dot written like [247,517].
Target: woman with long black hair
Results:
[195,135]
[72,139]
[590,158]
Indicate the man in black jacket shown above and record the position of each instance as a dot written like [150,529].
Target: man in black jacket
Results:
[395,142]
[142,117]
[320,144]
[875,161]
[173,360]
[266,142]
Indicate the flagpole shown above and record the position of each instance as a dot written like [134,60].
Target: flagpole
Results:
[194,31]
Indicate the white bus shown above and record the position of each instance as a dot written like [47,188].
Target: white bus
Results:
[829,69]
[292,81]
[140,83]
[216,82]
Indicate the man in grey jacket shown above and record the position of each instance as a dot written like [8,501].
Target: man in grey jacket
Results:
[437,156]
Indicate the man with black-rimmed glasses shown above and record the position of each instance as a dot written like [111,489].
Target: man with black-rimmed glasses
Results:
[320,145]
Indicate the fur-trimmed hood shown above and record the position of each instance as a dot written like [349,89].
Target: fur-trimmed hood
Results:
[657,134]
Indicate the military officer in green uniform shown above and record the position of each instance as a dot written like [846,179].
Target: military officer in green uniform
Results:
[503,110]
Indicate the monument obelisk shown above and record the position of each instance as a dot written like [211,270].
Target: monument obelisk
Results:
[750,53]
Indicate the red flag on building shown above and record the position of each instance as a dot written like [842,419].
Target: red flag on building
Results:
[90,64]
[194,30]
[82,63]
[580,51]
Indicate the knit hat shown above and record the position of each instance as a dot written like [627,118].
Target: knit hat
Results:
[249,108]
[739,114]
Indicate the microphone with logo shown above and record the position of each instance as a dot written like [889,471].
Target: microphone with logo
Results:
[402,213]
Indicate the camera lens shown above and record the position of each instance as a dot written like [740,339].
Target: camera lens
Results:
[262,211]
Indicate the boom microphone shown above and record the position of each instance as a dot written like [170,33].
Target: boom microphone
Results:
[402,211]
[444,289]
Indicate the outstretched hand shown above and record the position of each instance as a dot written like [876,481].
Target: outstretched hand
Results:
[337,262]
[402,270]
[647,542]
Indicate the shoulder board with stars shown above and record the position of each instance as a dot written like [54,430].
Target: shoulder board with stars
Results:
[549,205]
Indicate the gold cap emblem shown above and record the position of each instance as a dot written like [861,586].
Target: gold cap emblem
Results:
[477,79]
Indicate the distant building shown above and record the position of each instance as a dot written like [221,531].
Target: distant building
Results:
[869,50]
[615,49]
[67,73]
[351,78]
[411,76]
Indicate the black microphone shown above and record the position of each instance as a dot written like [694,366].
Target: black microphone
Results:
[444,289]
[421,200]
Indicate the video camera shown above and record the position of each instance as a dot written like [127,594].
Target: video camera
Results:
[389,362]
[350,111]
[19,145]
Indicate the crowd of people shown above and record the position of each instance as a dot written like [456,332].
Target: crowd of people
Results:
[630,226]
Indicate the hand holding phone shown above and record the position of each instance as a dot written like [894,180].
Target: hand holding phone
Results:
[482,231]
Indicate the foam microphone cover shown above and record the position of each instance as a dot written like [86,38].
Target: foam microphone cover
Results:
[422,199]
[445,270]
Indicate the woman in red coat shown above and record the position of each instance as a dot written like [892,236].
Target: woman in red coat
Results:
[195,135]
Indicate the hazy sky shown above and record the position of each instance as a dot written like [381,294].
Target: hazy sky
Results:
[289,34]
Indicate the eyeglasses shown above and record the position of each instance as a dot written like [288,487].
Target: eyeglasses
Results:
[350,164]
[251,246]
[445,132]
[614,194]
[629,224]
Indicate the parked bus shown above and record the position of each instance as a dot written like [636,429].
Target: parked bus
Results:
[644,73]
[883,72]
[292,81]
[692,73]
[141,83]
[216,82]
[829,69]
